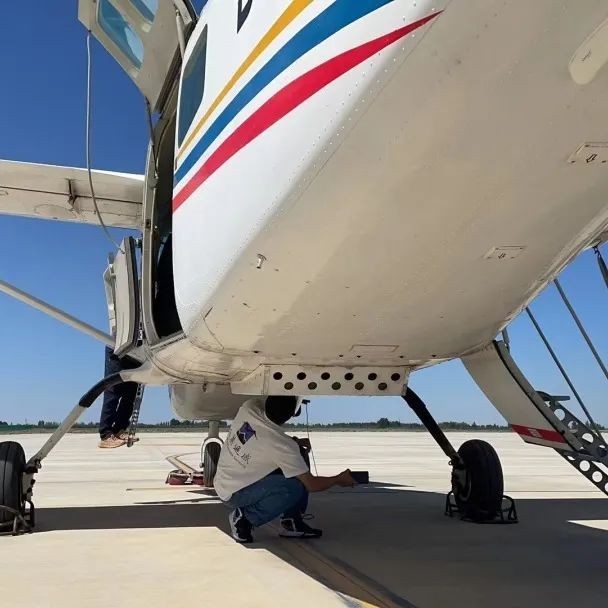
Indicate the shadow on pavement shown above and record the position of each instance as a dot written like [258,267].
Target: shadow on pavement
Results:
[385,543]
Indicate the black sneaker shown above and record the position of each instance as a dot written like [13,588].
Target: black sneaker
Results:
[240,527]
[296,528]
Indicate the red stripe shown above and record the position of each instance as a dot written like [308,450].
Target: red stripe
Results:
[538,433]
[286,100]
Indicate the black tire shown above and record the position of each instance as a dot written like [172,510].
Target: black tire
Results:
[479,491]
[210,460]
[12,465]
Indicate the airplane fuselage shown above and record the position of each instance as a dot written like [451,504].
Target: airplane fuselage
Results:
[368,188]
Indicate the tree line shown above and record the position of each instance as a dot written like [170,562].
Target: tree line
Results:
[175,424]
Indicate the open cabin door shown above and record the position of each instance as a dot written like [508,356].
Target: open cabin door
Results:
[122,294]
[142,35]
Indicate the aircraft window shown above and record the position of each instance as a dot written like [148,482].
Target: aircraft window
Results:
[199,5]
[193,86]
[121,32]
[147,8]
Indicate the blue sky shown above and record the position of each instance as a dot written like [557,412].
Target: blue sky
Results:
[45,366]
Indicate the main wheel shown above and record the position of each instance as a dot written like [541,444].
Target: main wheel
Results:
[12,465]
[478,489]
[212,451]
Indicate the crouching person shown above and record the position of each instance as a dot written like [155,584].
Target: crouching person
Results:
[247,478]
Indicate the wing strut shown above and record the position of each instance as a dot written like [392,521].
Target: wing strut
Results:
[56,313]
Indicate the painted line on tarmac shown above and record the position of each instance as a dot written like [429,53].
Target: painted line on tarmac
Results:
[351,602]
[336,574]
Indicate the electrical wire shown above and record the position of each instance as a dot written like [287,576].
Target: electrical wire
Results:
[88,147]
[563,371]
[581,328]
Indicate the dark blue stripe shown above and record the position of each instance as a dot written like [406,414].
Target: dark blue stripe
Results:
[336,17]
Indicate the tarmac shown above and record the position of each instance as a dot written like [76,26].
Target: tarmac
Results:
[111,533]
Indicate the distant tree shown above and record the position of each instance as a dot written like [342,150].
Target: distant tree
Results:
[174,422]
[383,423]
[41,423]
[2,423]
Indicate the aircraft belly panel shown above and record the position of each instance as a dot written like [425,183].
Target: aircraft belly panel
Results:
[363,226]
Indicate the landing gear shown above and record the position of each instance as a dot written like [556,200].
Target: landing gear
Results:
[210,453]
[478,486]
[14,517]
[477,480]
[17,478]
[211,456]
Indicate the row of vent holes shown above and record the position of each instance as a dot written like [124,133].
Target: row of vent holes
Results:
[348,376]
[336,386]
[597,476]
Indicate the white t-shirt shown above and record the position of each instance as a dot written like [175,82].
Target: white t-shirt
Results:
[254,448]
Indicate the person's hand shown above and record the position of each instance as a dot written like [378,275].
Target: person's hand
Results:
[305,443]
[345,480]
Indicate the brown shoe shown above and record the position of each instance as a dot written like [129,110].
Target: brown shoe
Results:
[124,435]
[112,442]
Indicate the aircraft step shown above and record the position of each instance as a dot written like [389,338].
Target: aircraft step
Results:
[135,415]
[594,450]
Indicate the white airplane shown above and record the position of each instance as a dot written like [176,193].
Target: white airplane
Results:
[337,194]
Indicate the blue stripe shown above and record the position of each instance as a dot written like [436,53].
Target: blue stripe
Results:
[336,17]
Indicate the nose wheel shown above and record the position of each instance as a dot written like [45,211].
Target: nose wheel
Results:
[210,453]
[209,458]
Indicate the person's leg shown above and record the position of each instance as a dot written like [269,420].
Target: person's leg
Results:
[268,498]
[292,521]
[111,397]
[298,509]
[124,411]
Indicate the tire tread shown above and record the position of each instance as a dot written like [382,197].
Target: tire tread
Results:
[210,460]
[487,485]
[12,465]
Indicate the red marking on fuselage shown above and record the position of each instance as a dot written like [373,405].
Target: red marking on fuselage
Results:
[286,100]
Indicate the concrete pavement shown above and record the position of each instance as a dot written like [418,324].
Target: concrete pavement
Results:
[109,525]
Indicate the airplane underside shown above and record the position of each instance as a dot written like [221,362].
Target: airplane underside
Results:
[383,194]
[425,197]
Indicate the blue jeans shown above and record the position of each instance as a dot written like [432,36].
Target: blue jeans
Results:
[119,400]
[270,497]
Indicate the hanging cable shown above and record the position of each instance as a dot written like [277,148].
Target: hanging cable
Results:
[312,453]
[563,371]
[602,264]
[88,146]
[581,328]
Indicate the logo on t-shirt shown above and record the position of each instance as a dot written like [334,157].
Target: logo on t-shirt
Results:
[245,433]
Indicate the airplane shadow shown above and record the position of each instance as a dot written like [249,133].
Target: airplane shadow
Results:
[384,543]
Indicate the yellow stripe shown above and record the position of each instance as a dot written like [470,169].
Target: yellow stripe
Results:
[291,13]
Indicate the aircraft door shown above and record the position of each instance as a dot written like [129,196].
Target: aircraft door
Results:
[142,35]
[122,292]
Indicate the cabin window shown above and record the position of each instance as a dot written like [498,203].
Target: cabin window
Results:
[146,8]
[121,32]
[193,86]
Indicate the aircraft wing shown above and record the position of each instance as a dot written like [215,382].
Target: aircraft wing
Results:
[63,193]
